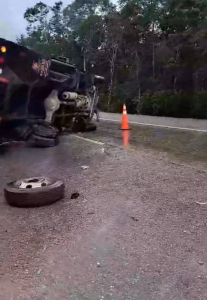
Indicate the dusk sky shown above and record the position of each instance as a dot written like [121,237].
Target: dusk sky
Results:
[12,23]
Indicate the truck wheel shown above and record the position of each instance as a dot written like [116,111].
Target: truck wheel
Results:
[79,125]
[42,142]
[46,131]
[34,192]
[23,132]
[91,127]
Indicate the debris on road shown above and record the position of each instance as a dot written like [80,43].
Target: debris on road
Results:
[98,264]
[134,219]
[104,151]
[84,167]
[91,213]
[75,195]
[39,271]
[201,203]
[186,231]
[34,192]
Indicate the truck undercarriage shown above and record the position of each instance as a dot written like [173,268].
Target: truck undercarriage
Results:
[47,92]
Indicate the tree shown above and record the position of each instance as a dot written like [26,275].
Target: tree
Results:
[180,15]
[143,46]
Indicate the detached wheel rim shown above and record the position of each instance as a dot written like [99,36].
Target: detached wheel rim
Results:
[32,183]
[34,191]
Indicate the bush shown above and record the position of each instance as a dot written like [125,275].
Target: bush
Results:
[178,105]
[114,107]
[199,108]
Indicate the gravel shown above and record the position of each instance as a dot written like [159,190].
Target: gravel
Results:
[134,233]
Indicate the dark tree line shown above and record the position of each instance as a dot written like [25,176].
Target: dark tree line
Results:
[152,53]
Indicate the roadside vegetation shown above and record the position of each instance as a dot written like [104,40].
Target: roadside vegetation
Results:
[153,53]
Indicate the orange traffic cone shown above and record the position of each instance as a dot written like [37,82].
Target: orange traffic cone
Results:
[125,124]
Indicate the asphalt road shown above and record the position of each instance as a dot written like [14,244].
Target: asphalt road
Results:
[163,122]
[135,232]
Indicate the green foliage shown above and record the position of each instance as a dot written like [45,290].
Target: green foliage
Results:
[116,104]
[177,105]
[142,45]
[181,15]
[199,107]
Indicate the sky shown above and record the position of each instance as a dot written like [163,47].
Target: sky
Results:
[12,23]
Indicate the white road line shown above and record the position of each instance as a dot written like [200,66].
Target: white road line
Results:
[88,140]
[155,125]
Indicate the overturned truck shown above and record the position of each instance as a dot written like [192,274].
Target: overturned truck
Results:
[40,96]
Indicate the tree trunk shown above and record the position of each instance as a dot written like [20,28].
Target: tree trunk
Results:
[112,68]
[137,73]
[138,82]
[84,60]
[153,59]
[174,83]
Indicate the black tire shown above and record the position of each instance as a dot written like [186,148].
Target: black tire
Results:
[34,197]
[79,125]
[38,122]
[91,127]
[23,132]
[42,142]
[45,131]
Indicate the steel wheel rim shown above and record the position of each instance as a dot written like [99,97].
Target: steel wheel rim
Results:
[32,183]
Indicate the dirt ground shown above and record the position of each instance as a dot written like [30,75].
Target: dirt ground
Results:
[136,232]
